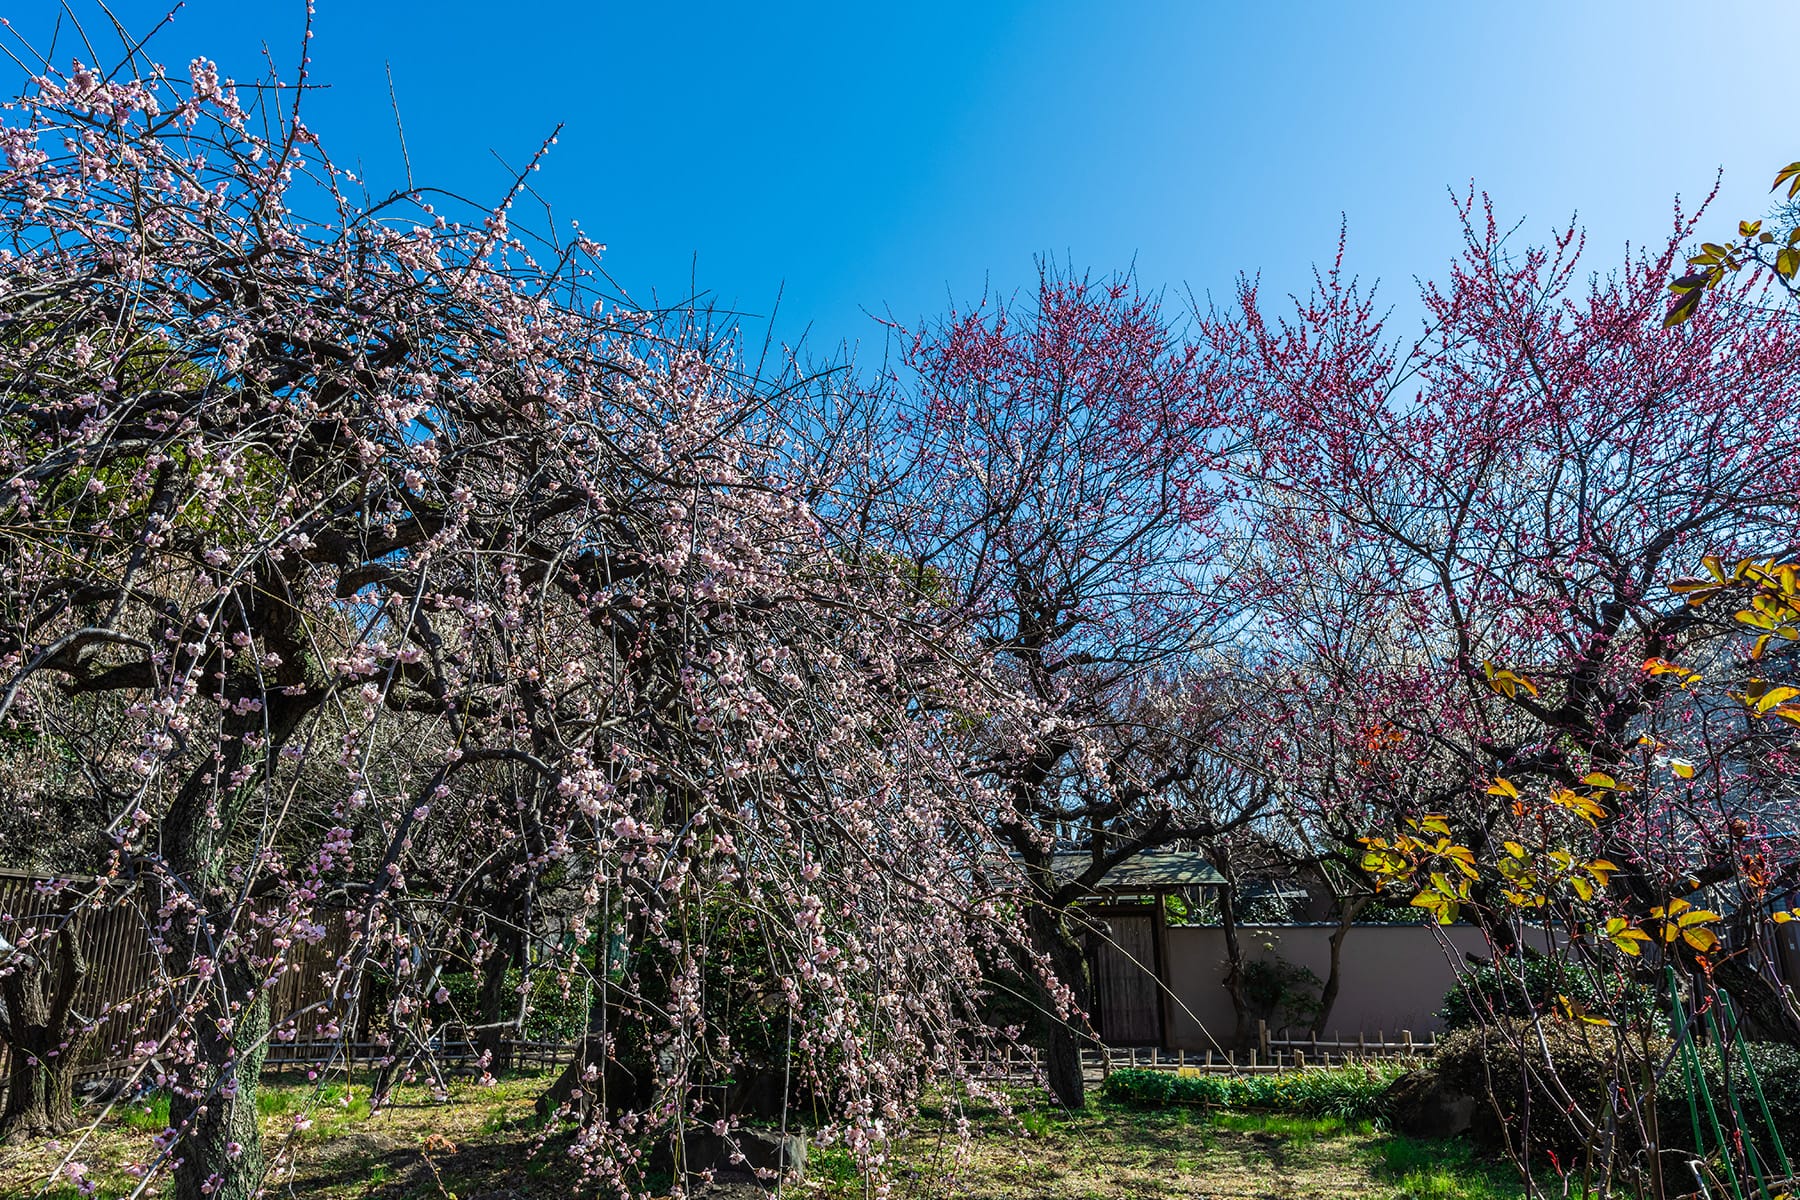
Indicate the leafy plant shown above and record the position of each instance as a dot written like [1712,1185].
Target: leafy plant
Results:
[1732,1081]
[1551,1077]
[1281,992]
[1534,984]
[550,1015]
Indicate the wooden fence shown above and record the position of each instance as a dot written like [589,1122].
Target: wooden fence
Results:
[123,981]
[129,989]
[457,1054]
[130,992]
[1270,1055]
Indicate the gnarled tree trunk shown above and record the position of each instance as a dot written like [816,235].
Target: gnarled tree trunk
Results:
[43,1033]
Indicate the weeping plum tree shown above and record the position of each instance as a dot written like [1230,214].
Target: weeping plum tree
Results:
[346,517]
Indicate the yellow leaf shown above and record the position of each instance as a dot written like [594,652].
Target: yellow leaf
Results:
[1382,862]
[1442,907]
[1682,768]
[1448,888]
[1435,824]
[1506,682]
[1755,620]
[1701,939]
[1624,935]
[1503,787]
[1775,696]
[1581,806]
[1599,779]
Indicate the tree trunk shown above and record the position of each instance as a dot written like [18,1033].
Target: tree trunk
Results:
[220,1144]
[496,1007]
[212,1106]
[1762,1009]
[1348,910]
[39,1025]
[40,1090]
[1062,1035]
[613,1085]
[1234,948]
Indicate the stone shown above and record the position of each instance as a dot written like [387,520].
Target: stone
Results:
[104,1089]
[762,1149]
[1422,1105]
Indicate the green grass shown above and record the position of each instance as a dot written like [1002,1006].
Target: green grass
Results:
[147,1115]
[834,1168]
[1444,1170]
[1357,1093]
[1293,1129]
[1111,1150]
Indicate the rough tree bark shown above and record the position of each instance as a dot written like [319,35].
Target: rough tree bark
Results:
[1063,1036]
[221,1154]
[39,1025]
[496,1008]
[218,1149]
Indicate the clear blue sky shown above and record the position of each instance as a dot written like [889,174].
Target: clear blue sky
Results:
[881,157]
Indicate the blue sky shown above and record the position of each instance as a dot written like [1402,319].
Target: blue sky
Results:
[874,158]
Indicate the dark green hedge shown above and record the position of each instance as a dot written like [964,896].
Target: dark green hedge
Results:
[1535,985]
[1503,1066]
[1776,1068]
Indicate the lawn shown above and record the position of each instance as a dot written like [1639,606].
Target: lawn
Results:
[477,1141]
[1111,1152]
[479,1145]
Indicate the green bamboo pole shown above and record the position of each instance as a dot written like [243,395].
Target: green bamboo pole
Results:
[1690,1058]
[1737,1033]
[1751,1157]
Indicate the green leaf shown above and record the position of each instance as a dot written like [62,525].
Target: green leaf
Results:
[1682,309]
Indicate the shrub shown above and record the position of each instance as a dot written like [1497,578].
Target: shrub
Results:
[1503,1066]
[1351,1093]
[1777,1071]
[1281,992]
[550,1016]
[1531,986]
